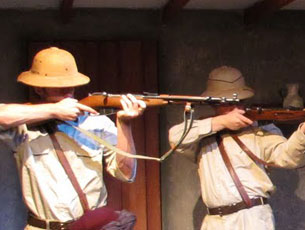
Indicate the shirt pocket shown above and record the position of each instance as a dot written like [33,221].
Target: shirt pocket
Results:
[41,148]
[91,158]
[85,152]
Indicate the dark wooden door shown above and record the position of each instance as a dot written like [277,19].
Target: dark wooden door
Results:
[124,67]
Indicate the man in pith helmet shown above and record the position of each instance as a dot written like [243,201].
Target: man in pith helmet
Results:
[50,195]
[231,152]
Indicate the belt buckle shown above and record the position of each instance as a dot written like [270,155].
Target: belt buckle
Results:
[57,226]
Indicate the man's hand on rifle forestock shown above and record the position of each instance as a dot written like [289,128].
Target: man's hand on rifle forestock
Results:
[233,120]
[132,108]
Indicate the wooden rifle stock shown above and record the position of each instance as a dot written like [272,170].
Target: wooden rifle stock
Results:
[270,114]
[257,113]
[152,100]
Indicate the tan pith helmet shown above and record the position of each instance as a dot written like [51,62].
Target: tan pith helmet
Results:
[53,68]
[224,81]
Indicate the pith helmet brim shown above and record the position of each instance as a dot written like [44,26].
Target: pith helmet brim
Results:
[37,80]
[242,93]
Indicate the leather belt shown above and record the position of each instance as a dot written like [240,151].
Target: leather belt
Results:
[229,209]
[52,225]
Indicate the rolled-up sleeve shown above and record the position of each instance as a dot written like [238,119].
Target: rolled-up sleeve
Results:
[114,170]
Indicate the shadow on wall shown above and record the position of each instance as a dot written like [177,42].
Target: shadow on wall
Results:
[199,213]
[290,193]
[12,210]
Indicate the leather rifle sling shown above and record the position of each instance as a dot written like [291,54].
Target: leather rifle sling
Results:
[63,160]
[251,154]
[232,172]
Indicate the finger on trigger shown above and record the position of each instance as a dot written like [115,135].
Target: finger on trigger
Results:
[87,109]
[246,120]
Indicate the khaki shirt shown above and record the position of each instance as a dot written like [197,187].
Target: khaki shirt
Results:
[217,186]
[47,190]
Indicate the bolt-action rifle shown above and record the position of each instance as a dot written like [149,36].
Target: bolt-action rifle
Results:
[104,99]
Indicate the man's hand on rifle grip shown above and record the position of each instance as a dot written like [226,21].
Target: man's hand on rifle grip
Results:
[232,120]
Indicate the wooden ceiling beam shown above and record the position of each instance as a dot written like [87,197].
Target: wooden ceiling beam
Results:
[172,8]
[66,10]
[263,9]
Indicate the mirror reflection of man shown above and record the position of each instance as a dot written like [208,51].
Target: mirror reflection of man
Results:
[48,193]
